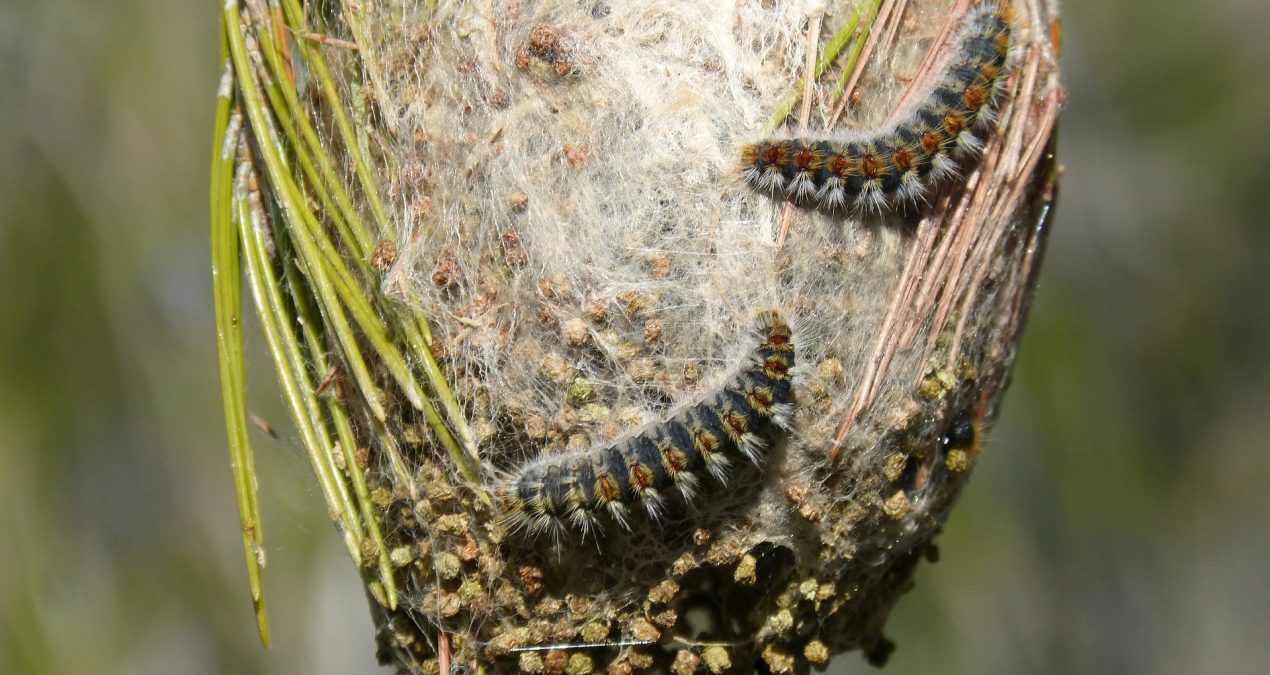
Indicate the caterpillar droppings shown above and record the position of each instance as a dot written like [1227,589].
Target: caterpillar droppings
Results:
[898,163]
[734,423]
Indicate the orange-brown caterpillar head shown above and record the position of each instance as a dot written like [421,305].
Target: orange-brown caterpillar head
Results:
[774,154]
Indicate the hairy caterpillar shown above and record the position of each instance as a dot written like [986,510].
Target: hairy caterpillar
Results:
[899,163]
[611,482]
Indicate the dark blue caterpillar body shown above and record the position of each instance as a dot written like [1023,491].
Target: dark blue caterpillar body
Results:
[734,423]
[897,164]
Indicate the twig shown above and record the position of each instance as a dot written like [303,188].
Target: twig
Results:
[327,40]
[883,349]
[865,50]
[804,113]
[926,70]
[443,652]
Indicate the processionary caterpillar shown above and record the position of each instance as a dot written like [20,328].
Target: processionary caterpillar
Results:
[899,163]
[734,423]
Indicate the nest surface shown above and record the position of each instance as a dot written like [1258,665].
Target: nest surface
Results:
[576,231]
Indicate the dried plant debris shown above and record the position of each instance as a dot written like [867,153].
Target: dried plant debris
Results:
[658,485]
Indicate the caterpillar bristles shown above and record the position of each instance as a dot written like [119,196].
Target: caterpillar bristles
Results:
[899,164]
[734,422]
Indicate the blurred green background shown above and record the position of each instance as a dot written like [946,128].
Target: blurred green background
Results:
[1116,523]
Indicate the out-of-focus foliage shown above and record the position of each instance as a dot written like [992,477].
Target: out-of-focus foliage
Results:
[1114,524]
[1117,520]
[120,550]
